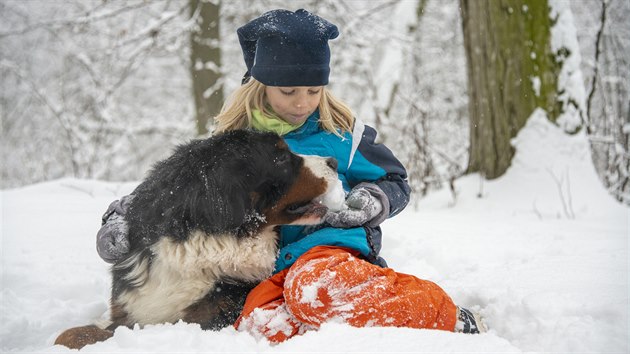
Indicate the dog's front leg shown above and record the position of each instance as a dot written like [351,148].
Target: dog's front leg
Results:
[220,307]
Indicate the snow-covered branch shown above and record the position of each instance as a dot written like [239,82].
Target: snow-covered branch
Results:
[93,15]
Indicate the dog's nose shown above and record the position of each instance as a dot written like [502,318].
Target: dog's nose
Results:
[332,163]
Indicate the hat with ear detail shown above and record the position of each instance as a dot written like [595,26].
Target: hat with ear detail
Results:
[286,48]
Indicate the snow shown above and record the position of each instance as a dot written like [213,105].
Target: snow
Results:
[544,278]
[335,197]
[564,36]
[535,83]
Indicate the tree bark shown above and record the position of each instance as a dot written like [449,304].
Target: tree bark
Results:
[205,62]
[511,71]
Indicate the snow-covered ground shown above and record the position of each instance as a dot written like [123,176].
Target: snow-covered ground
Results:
[548,276]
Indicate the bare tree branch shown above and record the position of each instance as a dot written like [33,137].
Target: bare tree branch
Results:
[88,18]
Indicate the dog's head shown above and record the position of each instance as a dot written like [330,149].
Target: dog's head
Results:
[293,190]
[241,181]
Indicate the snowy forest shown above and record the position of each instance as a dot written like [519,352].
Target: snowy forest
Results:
[103,89]
[512,118]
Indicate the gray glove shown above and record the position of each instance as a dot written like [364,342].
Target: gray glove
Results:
[367,205]
[112,240]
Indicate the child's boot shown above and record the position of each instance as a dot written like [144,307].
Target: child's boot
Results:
[469,322]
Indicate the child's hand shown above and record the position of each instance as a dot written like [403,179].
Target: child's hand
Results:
[362,207]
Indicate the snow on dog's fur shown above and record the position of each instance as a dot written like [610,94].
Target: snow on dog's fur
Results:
[203,230]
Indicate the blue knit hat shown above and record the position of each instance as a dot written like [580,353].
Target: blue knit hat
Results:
[286,48]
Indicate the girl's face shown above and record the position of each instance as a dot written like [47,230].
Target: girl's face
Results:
[294,104]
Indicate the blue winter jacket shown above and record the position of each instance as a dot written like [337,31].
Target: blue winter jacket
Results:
[360,159]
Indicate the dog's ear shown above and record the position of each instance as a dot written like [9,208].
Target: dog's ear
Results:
[269,193]
[221,203]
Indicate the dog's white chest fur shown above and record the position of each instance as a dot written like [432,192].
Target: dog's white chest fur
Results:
[183,272]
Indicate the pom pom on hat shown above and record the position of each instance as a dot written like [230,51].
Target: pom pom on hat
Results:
[286,48]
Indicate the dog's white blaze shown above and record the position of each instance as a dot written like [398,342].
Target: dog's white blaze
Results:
[182,273]
[320,168]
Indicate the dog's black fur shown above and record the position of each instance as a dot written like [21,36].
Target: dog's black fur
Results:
[241,184]
[219,176]
[208,185]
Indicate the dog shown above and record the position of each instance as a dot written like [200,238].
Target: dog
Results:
[203,230]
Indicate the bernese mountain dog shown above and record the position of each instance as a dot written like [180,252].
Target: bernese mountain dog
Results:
[203,230]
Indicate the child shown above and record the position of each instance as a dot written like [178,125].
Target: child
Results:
[333,271]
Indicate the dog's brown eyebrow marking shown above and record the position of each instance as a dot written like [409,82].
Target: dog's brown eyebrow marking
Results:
[281,144]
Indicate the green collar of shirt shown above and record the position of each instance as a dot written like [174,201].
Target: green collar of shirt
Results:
[271,124]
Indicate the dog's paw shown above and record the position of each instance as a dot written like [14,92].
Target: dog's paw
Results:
[79,337]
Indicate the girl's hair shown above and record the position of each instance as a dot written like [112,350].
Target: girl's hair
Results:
[334,115]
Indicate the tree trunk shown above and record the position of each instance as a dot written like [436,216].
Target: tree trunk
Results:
[511,71]
[205,62]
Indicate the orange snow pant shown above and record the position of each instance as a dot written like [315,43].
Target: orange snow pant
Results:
[333,283]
